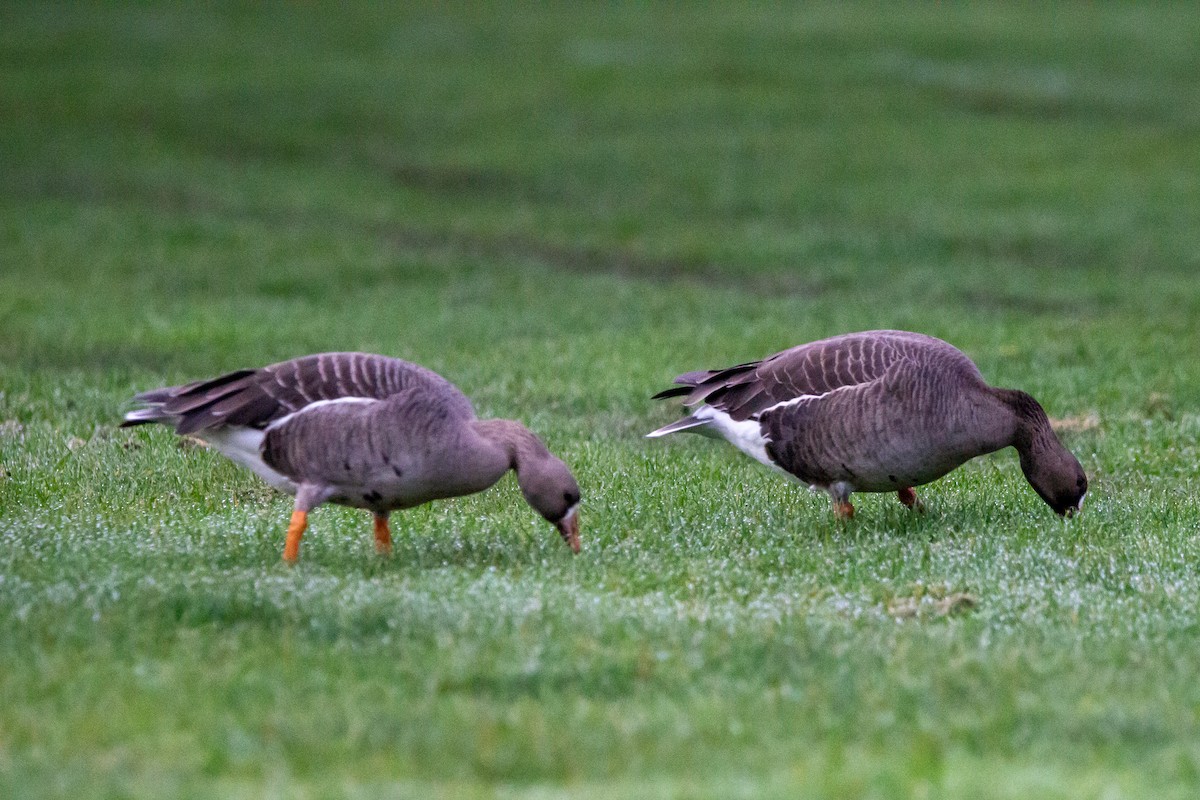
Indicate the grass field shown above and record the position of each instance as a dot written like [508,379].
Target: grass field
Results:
[559,209]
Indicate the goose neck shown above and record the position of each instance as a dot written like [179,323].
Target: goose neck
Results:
[1031,426]
[518,443]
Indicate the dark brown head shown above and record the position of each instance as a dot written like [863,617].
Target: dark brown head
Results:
[1053,472]
[1057,477]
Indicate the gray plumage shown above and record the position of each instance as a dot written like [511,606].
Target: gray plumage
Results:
[875,411]
[365,431]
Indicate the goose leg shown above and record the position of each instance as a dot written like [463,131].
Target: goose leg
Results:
[909,498]
[383,535]
[291,549]
[308,497]
[840,492]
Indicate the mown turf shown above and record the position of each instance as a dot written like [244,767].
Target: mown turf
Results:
[560,209]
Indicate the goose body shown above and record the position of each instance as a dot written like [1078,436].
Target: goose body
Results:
[365,431]
[877,411]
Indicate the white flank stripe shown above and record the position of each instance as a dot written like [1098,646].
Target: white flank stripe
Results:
[243,445]
[794,401]
[319,404]
[746,435]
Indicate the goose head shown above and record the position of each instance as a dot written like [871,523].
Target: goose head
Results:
[550,489]
[1051,469]
[1057,477]
[546,482]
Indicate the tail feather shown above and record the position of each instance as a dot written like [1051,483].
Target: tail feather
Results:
[687,423]
[145,416]
[684,384]
[730,372]
[156,396]
[674,391]
[701,384]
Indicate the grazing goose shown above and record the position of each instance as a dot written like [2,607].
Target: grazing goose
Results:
[880,411]
[365,431]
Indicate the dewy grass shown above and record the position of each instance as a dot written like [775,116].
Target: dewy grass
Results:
[559,210]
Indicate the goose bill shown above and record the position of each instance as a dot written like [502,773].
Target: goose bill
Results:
[568,528]
[1075,509]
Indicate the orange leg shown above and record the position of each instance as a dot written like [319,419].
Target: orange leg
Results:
[291,550]
[383,536]
[909,498]
[842,509]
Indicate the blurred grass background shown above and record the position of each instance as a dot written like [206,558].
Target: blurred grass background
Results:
[560,207]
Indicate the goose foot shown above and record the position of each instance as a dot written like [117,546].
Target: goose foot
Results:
[839,493]
[383,536]
[291,549]
[909,498]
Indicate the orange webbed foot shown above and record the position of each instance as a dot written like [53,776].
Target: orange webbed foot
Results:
[383,536]
[291,549]
[842,509]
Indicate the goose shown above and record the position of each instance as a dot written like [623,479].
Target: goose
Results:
[365,431]
[877,411]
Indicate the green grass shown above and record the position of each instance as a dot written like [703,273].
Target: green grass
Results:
[560,209]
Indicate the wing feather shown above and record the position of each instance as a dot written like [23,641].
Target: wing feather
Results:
[255,398]
[744,390]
